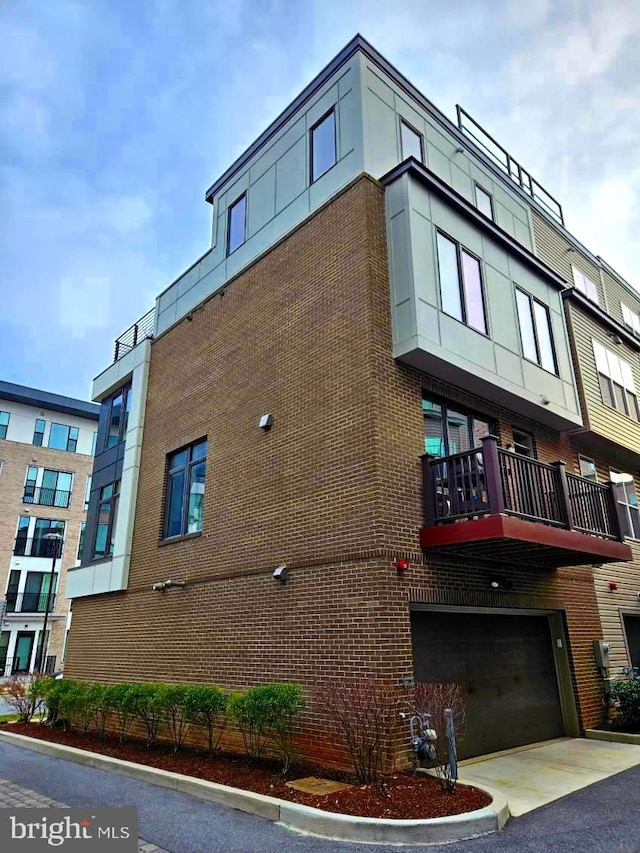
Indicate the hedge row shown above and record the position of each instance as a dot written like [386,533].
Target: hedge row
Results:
[264,715]
[626,695]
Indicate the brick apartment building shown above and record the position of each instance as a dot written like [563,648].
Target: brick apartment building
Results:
[392,351]
[46,459]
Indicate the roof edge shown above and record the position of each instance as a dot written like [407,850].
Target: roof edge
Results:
[47,400]
[606,319]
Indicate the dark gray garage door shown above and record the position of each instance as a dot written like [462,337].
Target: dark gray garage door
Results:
[506,664]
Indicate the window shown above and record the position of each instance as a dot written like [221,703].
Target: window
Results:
[4,423]
[119,409]
[616,381]
[449,429]
[523,443]
[631,319]
[588,468]
[237,224]
[624,490]
[185,490]
[40,545]
[585,285]
[461,284]
[87,493]
[38,432]
[411,142]
[107,518]
[81,541]
[54,490]
[62,437]
[535,331]
[323,146]
[94,442]
[484,202]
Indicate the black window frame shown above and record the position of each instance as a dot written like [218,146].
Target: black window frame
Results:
[420,136]
[188,468]
[470,414]
[533,300]
[4,427]
[125,390]
[39,432]
[460,248]
[242,197]
[476,187]
[313,178]
[114,500]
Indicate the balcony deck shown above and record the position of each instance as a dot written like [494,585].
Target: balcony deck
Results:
[494,505]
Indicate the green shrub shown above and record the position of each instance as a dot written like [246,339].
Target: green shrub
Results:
[265,715]
[147,703]
[626,695]
[122,699]
[171,701]
[205,705]
[101,705]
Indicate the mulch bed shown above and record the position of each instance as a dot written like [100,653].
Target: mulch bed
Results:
[406,795]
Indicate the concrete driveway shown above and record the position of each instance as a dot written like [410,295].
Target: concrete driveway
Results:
[535,775]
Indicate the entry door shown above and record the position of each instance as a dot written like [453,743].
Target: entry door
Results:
[632,630]
[24,648]
[507,667]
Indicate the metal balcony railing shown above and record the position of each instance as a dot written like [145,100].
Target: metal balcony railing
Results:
[141,329]
[492,481]
[36,546]
[12,665]
[46,497]
[30,602]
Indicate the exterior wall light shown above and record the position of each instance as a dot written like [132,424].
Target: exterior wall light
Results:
[266,422]
[401,565]
[280,574]
[163,586]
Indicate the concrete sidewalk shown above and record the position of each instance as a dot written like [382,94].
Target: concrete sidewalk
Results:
[535,775]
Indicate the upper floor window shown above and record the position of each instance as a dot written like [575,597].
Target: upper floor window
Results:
[118,416]
[94,442]
[411,142]
[31,536]
[83,528]
[107,517]
[535,331]
[523,443]
[584,284]
[588,468]
[323,146]
[484,202]
[631,319]
[237,224]
[87,493]
[185,490]
[616,382]
[62,437]
[461,284]
[38,432]
[47,487]
[624,489]
[450,429]
[4,423]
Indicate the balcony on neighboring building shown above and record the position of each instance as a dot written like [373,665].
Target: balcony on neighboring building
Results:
[139,331]
[45,496]
[30,602]
[35,546]
[492,504]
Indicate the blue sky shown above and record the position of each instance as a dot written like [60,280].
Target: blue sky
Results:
[116,116]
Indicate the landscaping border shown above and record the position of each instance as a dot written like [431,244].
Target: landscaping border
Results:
[613,736]
[437,830]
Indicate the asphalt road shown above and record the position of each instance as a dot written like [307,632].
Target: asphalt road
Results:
[603,817]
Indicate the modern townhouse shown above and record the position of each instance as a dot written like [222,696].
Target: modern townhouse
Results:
[354,442]
[46,459]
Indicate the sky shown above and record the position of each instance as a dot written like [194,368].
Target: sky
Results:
[116,116]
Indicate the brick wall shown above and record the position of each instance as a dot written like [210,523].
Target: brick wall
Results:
[334,489]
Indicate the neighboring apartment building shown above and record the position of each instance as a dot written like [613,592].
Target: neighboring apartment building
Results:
[46,459]
[378,286]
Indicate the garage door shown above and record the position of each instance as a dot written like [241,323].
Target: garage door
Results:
[505,663]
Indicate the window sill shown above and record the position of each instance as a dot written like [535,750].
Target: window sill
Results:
[182,538]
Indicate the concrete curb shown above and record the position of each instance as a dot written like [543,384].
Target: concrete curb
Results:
[292,815]
[612,736]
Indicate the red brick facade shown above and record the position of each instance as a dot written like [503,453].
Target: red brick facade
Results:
[333,490]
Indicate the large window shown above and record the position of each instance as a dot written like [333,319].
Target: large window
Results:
[63,437]
[616,381]
[4,423]
[53,488]
[185,490]
[31,536]
[237,224]
[535,331]
[38,432]
[631,319]
[450,429]
[119,409]
[107,518]
[484,202]
[625,491]
[412,145]
[584,284]
[323,146]
[461,284]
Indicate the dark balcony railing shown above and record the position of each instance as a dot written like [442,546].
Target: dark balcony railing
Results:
[36,546]
[492,481]
[141,329]
[10,666]
[30,602]
[46,497]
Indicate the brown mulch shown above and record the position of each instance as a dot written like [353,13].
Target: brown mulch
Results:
[406,795]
